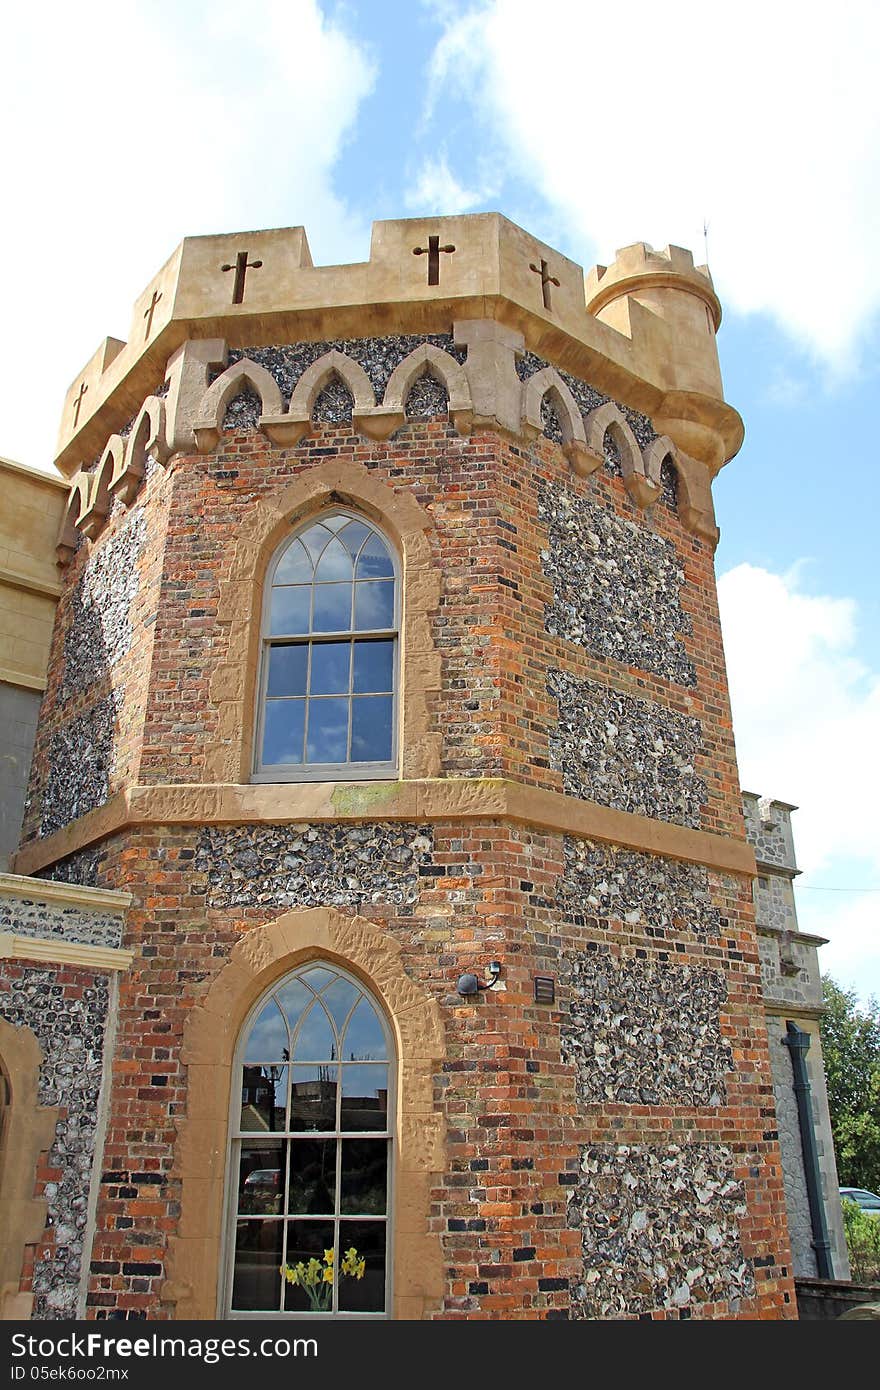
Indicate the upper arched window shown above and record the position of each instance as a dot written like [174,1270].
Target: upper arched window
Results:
[310,1163]
[329,669]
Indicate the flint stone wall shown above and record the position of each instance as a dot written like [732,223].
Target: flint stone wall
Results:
[54,921]
[312,865]
[82,758]
[69,1024]
[80,867]
[624,752]
[616,586]
[99,632]
[659,1230]
[645,1033]
[603,886]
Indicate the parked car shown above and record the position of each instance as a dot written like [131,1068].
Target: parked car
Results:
[868,1201]
[263,1180]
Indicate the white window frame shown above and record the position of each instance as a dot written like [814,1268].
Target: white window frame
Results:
[237,1137]
[341,771]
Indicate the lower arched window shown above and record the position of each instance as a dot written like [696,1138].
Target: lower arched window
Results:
[311,1153]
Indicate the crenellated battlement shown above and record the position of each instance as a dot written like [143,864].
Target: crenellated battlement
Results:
[675,263]
[262,287]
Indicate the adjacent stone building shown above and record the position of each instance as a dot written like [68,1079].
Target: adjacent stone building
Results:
[793,1001]
[384,886]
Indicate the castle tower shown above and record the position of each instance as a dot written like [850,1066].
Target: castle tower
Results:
[384,816]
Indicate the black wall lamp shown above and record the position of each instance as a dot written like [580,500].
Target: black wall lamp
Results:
[469,984]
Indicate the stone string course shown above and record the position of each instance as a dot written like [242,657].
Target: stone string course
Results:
[82,757]
[616,586]
[100,631]
[604,886]
[312,865]
[625,752]
[645,1032]
[67,1010]
[659,1230]
[50,921]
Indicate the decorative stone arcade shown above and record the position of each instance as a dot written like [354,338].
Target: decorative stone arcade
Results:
[316,789]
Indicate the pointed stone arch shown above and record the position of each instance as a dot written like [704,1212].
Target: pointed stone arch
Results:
[94,517]
[262,956]
[608,418]
[147,440]
[233,687]
[68,531]
[237,378]
[426,359]
[547,383]
[655,455]
[26,1130]
[289,428]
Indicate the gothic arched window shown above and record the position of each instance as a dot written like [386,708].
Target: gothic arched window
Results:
[329,664]
[310,1167]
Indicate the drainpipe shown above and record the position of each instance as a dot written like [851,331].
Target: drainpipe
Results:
[798,1042]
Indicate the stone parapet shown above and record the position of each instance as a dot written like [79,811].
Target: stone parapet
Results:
[254,288]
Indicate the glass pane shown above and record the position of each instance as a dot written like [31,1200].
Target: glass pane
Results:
[371,728]
[363,1188]
[261,1179]
[364,1290]
[364,1039]
[375,562]
[317,976]
[263,1098]
[294,567]
[283,729]
[336,520]
[331,668]
[268,1040]
[364,1098]
[256,1283]
[316,1040]
[332,608]
[307,1245]
[314,538]
[293,998]
[328,731]
[287,670]
[340,998]
[353,536]
[289,610]
[373,666]
[335,563]
[313,1098]
[312,1185]
[373,605]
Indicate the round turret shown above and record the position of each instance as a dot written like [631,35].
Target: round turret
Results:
[661,296]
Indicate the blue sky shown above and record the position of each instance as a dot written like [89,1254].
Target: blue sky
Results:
[140,122]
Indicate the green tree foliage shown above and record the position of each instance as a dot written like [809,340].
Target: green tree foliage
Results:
[851,1048]
[863,1242]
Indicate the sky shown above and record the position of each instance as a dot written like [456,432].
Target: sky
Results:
[751,133]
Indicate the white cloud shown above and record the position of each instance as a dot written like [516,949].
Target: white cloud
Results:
[438,191]
[806,716]
[762,118]
[131,125]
